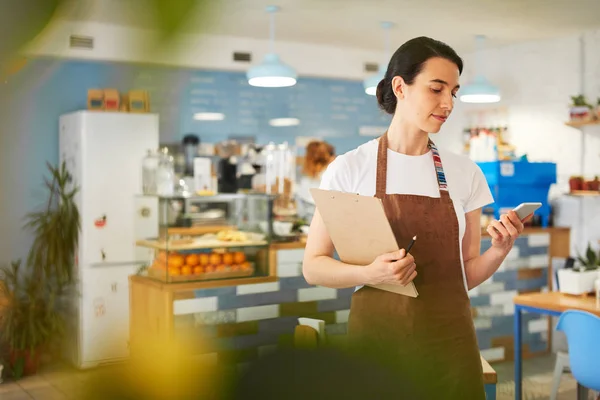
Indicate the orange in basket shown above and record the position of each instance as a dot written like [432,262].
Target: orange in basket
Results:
[192,260]
[176,260]
[186,270]
[227,258]
[239,257]
[215,259]
[204,258]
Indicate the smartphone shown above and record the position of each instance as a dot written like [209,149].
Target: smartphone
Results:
[525,209]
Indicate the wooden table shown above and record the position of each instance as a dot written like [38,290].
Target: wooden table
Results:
[552,304]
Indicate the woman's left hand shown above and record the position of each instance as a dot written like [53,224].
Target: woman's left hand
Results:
[505,231]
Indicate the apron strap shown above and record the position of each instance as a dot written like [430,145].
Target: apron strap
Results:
[380,185]
[439,169]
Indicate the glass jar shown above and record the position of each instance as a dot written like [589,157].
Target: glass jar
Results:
[165,176]
[149,172]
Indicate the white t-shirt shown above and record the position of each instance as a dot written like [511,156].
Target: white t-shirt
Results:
[305,201]
[356,172]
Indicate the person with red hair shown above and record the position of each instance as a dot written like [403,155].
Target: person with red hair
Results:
[319,154]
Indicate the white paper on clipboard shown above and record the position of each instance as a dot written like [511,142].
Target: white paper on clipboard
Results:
[359,230]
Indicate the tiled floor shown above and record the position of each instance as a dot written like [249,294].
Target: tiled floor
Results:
[61,382]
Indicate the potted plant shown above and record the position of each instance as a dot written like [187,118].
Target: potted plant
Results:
[575,183]
[35,292]
[593,185]
[580,279]
[580,109]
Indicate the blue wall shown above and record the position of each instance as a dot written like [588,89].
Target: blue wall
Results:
[32,99]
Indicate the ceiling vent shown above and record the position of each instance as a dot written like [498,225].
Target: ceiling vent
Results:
[81,42]
[242,57]
[371,67]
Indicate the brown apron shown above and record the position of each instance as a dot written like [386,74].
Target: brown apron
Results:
[430,339]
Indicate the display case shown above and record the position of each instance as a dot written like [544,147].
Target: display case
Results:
[208,238]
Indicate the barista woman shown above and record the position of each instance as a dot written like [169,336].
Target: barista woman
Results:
[436,195]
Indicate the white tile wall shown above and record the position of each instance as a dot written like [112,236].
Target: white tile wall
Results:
[493,354]
[508,309]
[257,313]
[257,288]
[289,270]
[537,325]
[482,322]
[316,293]
[513,254]
[538,239]
[502,266]
[191,306]
[490,311]
[293,256]
[491,288]
[503,298]
[516,263]
[342,316]
[539,260]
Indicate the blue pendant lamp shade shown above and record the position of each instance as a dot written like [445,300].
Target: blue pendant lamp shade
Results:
[479,90]
[370,83]
[272,72]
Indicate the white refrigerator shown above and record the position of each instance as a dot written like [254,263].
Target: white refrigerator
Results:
[103,152]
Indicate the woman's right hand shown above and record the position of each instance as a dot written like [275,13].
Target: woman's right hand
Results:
[396,267]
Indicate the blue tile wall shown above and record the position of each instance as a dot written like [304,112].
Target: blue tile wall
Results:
[477,301]
[257,299]
[494,309]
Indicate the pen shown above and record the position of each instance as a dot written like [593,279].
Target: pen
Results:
[412,242]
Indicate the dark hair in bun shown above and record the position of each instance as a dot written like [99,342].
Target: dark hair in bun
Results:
[408,62]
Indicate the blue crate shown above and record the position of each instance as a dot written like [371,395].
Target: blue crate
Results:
[516,182]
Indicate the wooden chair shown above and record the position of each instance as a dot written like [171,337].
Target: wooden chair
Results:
[310,333]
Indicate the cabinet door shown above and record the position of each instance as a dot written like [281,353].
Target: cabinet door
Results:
[115,145]
[105,314]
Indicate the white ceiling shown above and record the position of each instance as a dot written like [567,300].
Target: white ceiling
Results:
[355,23]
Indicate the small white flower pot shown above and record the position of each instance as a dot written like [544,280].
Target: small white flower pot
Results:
[571,281]
[580,113]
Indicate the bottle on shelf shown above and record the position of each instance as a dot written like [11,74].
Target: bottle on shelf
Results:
[165,180]
[149,172]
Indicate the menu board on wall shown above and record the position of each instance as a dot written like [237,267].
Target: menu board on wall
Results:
[333,109]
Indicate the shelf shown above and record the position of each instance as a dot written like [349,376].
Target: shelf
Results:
[163,276]
[195,285]
[578,124]
[582,193]
[196,244]
[200,230]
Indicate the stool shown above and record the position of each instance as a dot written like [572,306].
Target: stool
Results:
[490,379]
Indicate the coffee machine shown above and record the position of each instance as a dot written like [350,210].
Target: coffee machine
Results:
[228,152]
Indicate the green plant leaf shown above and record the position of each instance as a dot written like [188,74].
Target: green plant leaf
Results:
[35,289]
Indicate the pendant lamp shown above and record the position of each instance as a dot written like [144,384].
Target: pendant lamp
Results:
[272,72]
[371,82]
[479,90]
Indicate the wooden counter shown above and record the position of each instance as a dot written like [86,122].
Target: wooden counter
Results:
[260,311]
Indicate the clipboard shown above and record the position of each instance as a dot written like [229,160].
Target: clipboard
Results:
[359,230]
